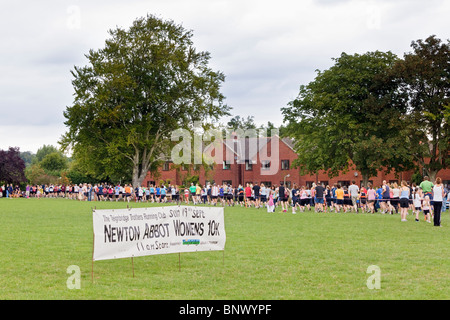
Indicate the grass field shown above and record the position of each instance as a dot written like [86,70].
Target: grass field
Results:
[268,256]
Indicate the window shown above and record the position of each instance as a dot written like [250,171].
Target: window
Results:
[166,166]
[248,165]
[227,182]
[287,184]
[184,167]
[227,165]
[325,183]
[150,183]
[265,165]
[285,165]
[267,184]
[370,181]
[309,184]
[344,183]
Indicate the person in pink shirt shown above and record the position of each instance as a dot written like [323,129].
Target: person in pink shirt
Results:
[371,196]
[304,201]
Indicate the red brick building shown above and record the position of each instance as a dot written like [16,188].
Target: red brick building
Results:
[261,160]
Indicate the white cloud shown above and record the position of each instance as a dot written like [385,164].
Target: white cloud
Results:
[266,49]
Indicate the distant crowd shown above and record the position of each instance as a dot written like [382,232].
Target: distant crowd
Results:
[428,198]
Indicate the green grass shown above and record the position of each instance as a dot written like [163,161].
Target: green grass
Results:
[268,256]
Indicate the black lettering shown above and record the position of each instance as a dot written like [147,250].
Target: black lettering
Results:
[187,228]
[156,231]
[109,233]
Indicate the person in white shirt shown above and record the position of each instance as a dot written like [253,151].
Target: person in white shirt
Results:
[438,197]
[353,189]
[214,193]
[417,202]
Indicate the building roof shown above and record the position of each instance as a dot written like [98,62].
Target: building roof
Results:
[247,148]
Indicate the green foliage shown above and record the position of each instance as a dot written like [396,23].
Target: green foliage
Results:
[54,163]
[27,157]
[47,166]
[146,82]
[44,151]
[191,179]
[424,76]
[238,122]
[350,114]
[77,175]
[36,175]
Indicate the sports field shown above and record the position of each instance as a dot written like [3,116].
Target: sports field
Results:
[268,256]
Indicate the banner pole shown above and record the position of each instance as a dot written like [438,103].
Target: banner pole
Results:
[93,245]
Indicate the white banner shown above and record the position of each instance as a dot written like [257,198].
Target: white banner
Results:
[138,232]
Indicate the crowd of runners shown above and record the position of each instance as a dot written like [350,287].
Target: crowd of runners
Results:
[427,198]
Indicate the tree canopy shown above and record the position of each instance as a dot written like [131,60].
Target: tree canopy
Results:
[350,114]
[145,83]
[377,112]
[424,77]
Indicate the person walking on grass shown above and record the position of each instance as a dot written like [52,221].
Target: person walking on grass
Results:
[270,203]
[385,202]
[282,197]
[438,197]
[404,200]
[427,190]
[417,202]
[371,196]
[304,201]
[426,208]
[339,198]
[186,195]
[353,189]
[319,196]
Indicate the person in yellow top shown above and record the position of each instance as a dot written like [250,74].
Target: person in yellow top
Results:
[339,197]
[198,193]
[127,193]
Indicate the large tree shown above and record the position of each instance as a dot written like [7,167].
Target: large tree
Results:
[145,83]
[54,163]
[43,152]
[349,115]
[424,75]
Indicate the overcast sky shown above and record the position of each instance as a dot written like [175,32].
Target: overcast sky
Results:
[266,49]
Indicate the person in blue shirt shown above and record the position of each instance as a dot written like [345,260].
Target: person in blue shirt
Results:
[116,192]
[158,193]
[294,197]
[163,192]
[152,193]
[333,197]
[221,193]
[147,194]
[379,198]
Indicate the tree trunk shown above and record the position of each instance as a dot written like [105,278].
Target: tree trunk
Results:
[139,175]
[136,179]
[365,180]
[432,174]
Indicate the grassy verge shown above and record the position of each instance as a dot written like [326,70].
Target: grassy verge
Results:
[268,256]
